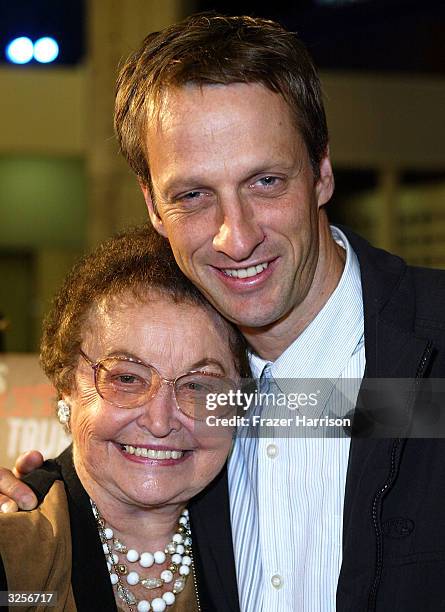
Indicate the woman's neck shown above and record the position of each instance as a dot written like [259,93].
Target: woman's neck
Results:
[138,526]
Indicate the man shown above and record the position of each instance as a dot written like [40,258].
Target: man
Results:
[223,123]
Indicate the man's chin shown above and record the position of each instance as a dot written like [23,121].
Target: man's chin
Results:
[245,311]
[248,318]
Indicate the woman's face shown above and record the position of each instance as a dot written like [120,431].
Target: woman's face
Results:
[175,338]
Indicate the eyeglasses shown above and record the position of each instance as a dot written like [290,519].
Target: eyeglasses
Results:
[130,383]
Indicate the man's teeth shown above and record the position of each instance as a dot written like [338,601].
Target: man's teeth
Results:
[246,272]
[140,451]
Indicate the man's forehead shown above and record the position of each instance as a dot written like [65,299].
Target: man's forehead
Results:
[174,103]
[211,131]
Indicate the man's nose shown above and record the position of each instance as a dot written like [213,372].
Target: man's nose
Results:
[239,232]
[160,413]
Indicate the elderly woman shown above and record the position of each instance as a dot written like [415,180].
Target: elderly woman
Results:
[133,349]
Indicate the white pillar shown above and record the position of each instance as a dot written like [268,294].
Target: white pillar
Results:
[115,29]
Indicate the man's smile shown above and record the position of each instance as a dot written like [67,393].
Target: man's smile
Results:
[246,272]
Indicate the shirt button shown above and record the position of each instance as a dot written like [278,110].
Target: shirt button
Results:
[272,451]
[277,581]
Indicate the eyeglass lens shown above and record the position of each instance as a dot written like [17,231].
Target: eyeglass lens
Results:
[128,384]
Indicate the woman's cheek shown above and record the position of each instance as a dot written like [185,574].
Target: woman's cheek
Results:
[86,417]
[213,464]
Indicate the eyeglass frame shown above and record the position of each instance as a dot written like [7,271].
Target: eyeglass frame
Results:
[169,381]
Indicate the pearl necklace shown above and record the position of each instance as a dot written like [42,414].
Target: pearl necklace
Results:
[178,549]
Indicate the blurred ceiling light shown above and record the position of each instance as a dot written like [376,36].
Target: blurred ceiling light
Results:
[46,50]
[20,50]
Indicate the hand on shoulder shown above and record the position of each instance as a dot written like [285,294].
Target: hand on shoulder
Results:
[15,494]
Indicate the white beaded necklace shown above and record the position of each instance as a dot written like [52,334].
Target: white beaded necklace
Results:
[179,549]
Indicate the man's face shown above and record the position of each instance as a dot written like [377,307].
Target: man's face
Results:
[237,198]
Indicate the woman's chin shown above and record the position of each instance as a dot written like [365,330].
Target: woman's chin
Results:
[150,495]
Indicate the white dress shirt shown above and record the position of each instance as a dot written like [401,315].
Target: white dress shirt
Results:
[287,491]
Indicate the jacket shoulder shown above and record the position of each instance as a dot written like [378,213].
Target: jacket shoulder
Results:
[35,546]
[42,479]
[429,286]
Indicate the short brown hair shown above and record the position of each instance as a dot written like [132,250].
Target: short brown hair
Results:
[210,49]
[137,261]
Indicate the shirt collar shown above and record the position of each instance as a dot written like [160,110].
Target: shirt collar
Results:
[324,347]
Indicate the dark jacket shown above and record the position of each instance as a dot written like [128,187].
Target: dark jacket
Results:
[89,577]
[394,519]
[394,512]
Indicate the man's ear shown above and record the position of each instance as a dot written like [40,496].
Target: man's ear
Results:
[325,184]
[152,212]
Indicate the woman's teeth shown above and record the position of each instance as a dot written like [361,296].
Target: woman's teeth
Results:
[246,272]
[140,451]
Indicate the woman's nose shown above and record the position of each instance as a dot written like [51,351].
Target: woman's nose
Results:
[160,414]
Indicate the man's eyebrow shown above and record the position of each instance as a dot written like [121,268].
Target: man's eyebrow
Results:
[199,182]
[270,168]
[185,184]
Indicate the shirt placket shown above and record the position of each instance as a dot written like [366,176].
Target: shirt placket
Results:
[273,527]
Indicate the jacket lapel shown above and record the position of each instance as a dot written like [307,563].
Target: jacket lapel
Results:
[392,351]
[90,579]
[214,559]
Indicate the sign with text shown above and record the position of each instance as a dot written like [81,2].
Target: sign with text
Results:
[27,410]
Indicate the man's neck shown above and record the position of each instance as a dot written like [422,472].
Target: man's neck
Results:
[271,341]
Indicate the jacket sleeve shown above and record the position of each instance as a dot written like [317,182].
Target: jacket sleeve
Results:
[42,479]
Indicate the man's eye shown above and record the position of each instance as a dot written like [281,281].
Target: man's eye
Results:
[191,195]
[194,200]
[268,181]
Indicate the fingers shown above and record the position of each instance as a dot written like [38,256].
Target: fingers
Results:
[7,506]
[26,463]
[13,490]
[15,494]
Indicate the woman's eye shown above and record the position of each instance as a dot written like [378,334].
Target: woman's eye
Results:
[191,387]
[127,379]
[194,386]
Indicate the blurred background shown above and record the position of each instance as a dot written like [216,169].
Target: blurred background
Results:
[63,186]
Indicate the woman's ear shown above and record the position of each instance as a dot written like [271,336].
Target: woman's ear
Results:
[64,412]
